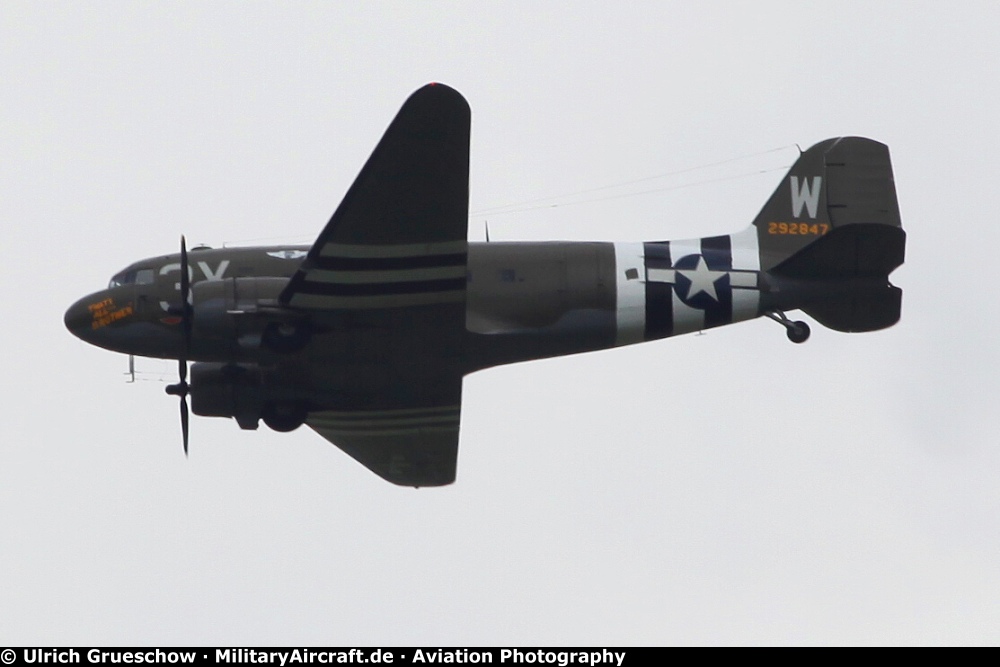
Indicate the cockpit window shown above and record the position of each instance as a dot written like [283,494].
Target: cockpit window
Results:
[133,277]
[122,278]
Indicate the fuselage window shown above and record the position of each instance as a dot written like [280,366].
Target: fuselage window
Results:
[144,277]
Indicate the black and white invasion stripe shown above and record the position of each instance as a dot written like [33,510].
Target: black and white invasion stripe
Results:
[386,422]
[685,286]
[383,276]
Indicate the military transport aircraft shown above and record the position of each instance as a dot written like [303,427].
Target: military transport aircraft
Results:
[366,335]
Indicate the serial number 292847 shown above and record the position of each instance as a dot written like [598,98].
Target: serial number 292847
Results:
[798,228]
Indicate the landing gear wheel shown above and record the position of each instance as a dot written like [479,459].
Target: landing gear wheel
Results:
[284,417]
[798,332]
[284,338]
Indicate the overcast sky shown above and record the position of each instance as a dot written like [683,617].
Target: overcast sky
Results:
[724,488]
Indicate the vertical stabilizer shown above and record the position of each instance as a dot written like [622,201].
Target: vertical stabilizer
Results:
[837,182]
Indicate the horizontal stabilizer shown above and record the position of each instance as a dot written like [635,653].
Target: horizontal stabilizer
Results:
[863,310]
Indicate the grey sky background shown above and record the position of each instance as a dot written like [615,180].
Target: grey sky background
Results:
[724,488]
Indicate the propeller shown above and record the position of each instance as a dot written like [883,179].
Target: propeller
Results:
[182,388]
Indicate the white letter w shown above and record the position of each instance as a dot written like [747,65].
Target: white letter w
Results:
[805,196]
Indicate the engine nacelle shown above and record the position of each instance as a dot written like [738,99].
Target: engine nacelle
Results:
[244,312]
[228,390]
[242,391]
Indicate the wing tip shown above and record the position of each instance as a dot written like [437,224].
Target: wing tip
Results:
[439,90]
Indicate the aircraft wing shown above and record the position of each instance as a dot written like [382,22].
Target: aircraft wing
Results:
[409,446]
[399,237]
[391,265]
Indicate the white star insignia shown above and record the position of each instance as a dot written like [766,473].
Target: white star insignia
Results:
[702,280]
[288,254]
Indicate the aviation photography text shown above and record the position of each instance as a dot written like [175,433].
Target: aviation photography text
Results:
[288,657]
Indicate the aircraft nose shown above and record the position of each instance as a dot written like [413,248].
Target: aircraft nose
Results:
[78,319]
[109,319]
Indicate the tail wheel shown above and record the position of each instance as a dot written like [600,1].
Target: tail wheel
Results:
[798,332]
[284,337]
[284,417]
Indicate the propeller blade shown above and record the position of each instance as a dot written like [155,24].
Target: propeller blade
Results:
[184,265]
[185,297]
[184,423]
[181,389]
